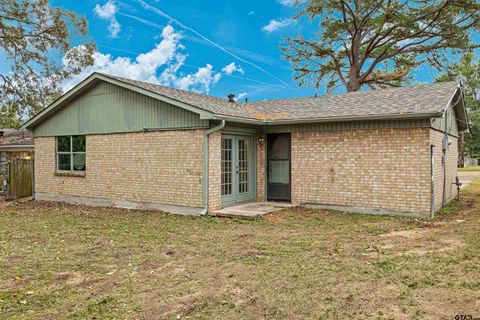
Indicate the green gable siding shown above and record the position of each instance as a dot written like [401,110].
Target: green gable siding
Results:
[452,125]
[349,125]
[108,108]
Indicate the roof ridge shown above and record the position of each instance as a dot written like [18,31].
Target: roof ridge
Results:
[161,86]
[417,85]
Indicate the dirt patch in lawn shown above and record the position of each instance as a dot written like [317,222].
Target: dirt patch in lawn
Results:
[420,241]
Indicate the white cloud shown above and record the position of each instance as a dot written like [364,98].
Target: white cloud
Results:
[241,96]
[146,66]
[108,12]
[275,25]
[199,81]
[287,3]
[231,68]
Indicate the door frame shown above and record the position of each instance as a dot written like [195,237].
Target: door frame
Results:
[289,167]
[235,199]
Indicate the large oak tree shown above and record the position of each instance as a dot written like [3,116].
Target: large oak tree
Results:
[377,43]
[36,41]
[467,70]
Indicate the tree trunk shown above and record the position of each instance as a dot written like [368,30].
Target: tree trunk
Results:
[354,76]
[353,84]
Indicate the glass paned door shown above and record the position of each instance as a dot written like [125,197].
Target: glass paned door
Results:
[227,174]
[278,166]
[243,169]
[236,165]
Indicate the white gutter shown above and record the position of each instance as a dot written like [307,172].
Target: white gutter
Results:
[17,146]
[205,165]
[449,103]
[329,119]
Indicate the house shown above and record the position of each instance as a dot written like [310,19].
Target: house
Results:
[112,141]
[14,144]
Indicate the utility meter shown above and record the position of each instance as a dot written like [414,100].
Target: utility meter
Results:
[446,143]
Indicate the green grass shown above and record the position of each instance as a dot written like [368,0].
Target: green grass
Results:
[475,168]
[70,262]
[473,188]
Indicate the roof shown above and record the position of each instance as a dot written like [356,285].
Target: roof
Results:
[12,137]
[202,101]
[417,101]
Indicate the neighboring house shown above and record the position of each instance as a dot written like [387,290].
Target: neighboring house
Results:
[120,142]
[14,144]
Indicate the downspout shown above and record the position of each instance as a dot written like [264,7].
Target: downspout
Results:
[432,181]
[205,165]
[444,159]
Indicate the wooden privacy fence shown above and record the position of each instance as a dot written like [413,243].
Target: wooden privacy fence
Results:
[19,178]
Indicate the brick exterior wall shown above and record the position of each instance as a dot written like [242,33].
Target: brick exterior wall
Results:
[385,169]
[164,167]
[214,171]
[436,138]
[261,163]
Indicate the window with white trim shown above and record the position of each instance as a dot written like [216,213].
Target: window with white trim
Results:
[71,153]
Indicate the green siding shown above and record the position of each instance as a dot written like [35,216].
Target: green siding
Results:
[108,108]
[349,125]
[452,125]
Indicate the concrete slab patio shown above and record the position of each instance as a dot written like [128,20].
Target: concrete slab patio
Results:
[251,209]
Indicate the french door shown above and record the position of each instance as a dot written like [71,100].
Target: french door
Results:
[237,171]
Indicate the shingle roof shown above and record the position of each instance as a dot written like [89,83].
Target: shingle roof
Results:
[201,101]
[417,99]
[13,137]
[422,99]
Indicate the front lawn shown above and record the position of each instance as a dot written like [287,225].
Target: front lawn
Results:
[71,262]
[475,168]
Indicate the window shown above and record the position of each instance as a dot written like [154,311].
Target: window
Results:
[71,153]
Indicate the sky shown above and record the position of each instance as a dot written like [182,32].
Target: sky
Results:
[210,46]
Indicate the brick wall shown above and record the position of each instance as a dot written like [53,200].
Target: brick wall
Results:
[214,171]
[261,159]
[436,138]
[377,168]
[164,167]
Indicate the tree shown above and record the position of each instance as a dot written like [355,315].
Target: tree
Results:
[36,46]
[8,116]
[467,70]
[377,43]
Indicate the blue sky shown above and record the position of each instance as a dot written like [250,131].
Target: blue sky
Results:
[212,46]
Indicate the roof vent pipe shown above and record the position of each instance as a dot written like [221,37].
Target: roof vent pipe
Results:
[231,98]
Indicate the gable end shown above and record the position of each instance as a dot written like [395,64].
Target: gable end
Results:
[109,108]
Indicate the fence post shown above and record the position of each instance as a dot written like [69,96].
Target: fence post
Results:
[7,180]
[32,163]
